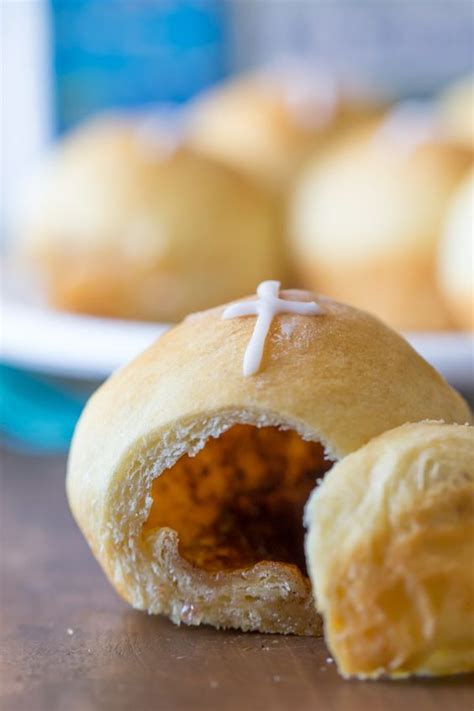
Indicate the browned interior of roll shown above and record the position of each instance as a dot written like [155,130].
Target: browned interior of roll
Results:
[240,500]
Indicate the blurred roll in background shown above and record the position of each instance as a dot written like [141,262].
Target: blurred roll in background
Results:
[163,158]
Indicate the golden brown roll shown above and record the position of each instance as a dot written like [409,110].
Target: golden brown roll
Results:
[456,255]
[456,111]
[189,480]
[390,551]
[124,224]
[366,219]
[270,122]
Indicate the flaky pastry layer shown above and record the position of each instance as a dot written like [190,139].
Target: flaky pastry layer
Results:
[390,551]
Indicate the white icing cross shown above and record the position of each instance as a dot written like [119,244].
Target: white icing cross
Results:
[407,127]
[265,308]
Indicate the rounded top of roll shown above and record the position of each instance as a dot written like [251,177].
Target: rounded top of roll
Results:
[340,377]
[267,122]
[121,180]
[125,221]
[392,185]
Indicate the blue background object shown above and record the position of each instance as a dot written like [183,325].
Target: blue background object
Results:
[126,53]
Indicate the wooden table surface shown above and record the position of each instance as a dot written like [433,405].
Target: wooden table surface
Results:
[70,644]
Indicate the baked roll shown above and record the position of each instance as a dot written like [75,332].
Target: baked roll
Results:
[125,222]
[269,123]
[365,219]
[188,477]
[390,551]
[456,111]
[456,256]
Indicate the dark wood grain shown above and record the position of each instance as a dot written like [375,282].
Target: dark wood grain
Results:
[69,644]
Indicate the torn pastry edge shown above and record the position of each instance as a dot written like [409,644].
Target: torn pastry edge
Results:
[148,570]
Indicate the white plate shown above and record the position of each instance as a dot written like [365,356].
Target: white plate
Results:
[86,347]
[71,345]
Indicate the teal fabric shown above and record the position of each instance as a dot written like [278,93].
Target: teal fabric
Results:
[36,413]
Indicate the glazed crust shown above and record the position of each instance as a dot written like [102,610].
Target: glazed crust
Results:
[120,224]
[396,589]
[339,378]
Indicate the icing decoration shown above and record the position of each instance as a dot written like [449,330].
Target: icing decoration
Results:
[159,133]
[408,126]
[265,308]
[311,97]
[314,107]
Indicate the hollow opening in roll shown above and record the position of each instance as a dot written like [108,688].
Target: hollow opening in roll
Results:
[239,501]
